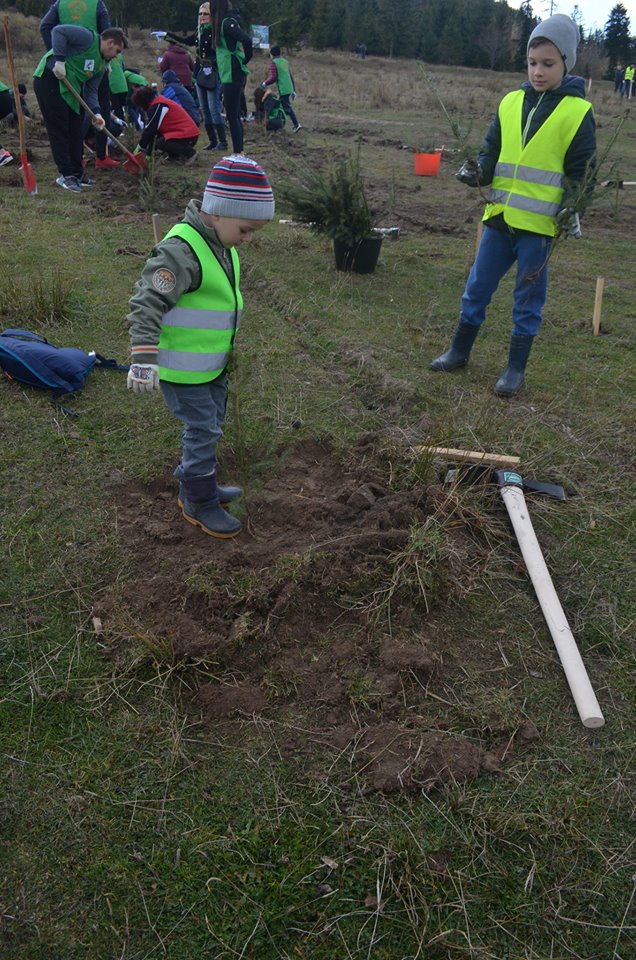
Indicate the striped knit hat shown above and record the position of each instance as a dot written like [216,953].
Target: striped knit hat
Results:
[238,187]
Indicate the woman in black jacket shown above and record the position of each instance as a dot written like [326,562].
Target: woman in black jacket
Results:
[206,78]
[233,53]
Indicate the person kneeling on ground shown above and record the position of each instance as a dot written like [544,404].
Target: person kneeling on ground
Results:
[169,129]
[183,320]
[274,111]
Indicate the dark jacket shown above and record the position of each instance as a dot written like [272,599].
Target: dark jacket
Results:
[233,34]
[581,152]
[203,41]
[178,60]
[173,90]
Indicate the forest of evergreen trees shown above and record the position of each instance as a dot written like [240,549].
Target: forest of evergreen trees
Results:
[473,33]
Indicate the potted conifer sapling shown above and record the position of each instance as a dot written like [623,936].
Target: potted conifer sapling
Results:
[334,204]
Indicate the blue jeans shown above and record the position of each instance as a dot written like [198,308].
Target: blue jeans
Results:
[201,407]
[210,101]
[289,110]
[497,253]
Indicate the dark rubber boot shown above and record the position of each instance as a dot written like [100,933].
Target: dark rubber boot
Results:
[200,503]
[459,351]
[211,518]
[210,129]
[511,380]
[221,135]
[225,495]
[229,495]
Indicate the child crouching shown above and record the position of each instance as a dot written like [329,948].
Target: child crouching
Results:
[183,319]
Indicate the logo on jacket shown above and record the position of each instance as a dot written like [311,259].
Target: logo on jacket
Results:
[164,280]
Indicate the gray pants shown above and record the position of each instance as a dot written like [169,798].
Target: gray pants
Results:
[201,408]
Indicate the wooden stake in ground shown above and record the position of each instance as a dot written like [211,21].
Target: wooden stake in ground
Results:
[598,304]
[156,232]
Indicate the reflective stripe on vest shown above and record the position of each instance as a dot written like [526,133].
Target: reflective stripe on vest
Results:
[224,58]
[196,341]
[283,77]
[527,187]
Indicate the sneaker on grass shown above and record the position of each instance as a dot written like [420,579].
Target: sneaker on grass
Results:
[5,157]
[69,183]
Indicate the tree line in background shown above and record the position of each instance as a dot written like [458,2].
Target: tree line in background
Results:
[471,33]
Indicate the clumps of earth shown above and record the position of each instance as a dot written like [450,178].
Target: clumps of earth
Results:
[330,623]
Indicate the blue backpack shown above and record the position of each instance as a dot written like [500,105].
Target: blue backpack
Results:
[32,360]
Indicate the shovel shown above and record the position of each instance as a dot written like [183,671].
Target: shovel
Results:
[28,176]
[133,164]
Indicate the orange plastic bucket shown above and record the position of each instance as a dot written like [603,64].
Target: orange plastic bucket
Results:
[427,164]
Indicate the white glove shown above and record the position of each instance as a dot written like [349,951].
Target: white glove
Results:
[59,69]
[570,223]
[143,377]
[118,121]
[263,85]
[99,123]
[158,34]
[293,95]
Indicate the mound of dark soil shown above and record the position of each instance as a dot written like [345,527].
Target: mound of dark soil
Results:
[319,618]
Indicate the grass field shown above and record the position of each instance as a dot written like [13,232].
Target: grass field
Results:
[345,734]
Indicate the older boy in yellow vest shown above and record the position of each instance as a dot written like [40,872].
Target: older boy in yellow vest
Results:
[183,319]
[536,154]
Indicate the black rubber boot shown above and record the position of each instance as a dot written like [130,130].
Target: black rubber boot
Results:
[459,351]
[210,129]
[511,380]
[221,136]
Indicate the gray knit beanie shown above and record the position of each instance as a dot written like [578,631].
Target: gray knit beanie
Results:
[238,187]
[563,32]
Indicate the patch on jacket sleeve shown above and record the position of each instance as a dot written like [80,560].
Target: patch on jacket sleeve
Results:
[164,280]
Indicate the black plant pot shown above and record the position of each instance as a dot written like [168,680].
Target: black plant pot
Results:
[361,258]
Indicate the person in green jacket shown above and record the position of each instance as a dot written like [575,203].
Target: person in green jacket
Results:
[78,56]
[183,319]
[538,158]
[281,75]
[233,53]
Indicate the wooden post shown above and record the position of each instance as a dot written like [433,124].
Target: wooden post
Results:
[480,230]
[598,303]
[155,227]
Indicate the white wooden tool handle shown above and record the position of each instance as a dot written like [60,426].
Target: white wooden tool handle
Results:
[575,672]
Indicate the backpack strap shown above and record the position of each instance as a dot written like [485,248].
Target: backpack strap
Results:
[109,364]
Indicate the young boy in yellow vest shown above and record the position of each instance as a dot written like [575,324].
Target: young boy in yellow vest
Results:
[183,319]
[536,155]
[281,75]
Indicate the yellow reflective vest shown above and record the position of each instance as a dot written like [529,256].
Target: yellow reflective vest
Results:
[527,186]
[197,334]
